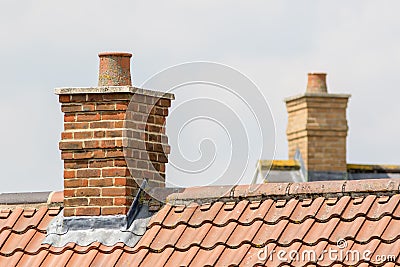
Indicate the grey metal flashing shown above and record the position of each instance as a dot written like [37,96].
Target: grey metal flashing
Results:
[281,176]
[359,176]
[372,168]
[24,198]
[135,206]
[112,89]
[287,176]
[107,230]
[93,222]
[303,169]
[326,176]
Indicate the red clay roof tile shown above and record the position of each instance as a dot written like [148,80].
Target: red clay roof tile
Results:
[201,216]
[244,234]
[331,209]
[218,235]
[193,236]
[372,229]
[58,259]
[33,259]
[295,231]
[107,259]
[157,259]
[308,210]
[233,256]
[269,233]
[279,212]
[252,213]
[80,259]
[320,231]
[358,207]
[167,237]
[179,214]
[384,205]
[181,258]
[129,259]
[207,257]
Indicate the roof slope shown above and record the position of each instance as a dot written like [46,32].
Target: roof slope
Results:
[215,227]
[303,216]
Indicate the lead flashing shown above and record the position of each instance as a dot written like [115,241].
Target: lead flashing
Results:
[107,230]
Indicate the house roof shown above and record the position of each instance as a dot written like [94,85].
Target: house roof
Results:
[227,226]
[291,171]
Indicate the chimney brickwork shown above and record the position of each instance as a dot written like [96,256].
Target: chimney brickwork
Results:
[105,128]
[317,127]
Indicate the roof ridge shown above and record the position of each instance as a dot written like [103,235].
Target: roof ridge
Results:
[209,194]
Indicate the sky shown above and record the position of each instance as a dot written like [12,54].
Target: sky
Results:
[47,44]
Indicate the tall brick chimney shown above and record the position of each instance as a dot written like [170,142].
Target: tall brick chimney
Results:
[317,128]
[105,128]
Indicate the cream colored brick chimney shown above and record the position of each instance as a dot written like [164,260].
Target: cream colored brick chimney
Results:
[317,128]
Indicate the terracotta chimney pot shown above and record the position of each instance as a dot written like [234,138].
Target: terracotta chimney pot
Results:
[316,83]
[114,69]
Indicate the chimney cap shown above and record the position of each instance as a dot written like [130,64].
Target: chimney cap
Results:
[316,82]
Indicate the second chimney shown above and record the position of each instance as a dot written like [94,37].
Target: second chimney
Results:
[317,128]
[100,123]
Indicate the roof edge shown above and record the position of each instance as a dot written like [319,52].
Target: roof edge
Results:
[26,198]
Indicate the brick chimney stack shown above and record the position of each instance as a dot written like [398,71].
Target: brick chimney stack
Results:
[317,128]
[106,127]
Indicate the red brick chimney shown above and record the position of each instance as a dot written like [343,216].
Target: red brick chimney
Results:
[104,127]
[317,128]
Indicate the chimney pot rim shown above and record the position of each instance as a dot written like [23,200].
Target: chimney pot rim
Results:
[317,73]
[115,54]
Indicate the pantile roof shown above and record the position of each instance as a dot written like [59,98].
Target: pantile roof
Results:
[228,226]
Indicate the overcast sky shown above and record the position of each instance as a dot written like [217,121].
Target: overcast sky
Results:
[49,44]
